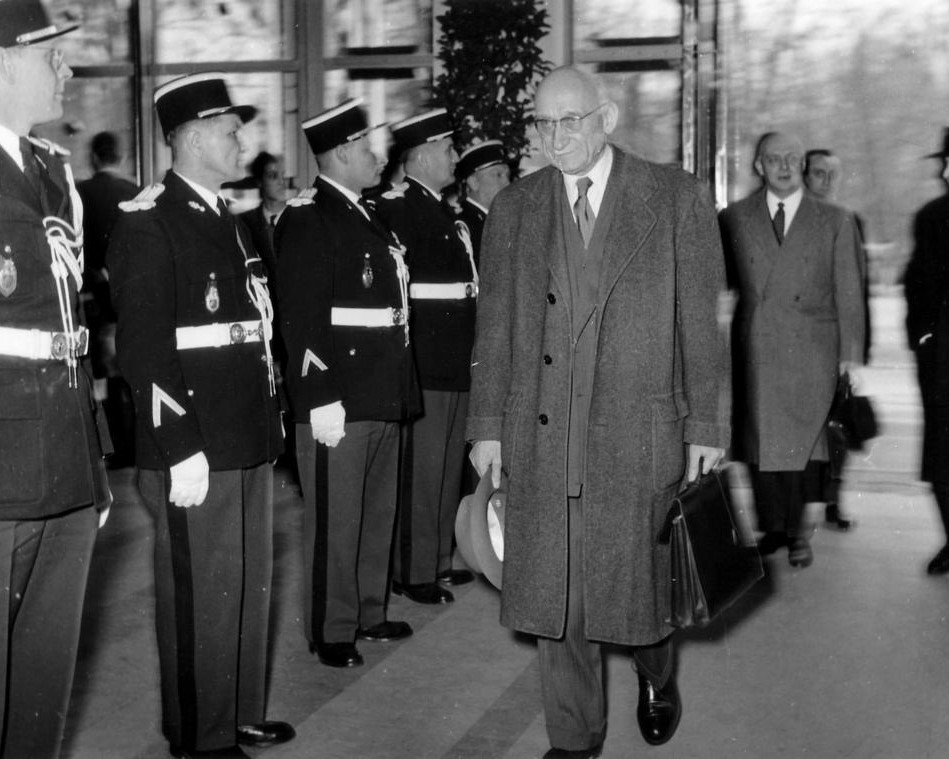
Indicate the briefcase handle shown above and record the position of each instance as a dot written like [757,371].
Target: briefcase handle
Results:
[675,510]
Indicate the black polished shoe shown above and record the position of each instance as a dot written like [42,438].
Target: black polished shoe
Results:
[799,552]
[229,752]
[771,542]
[658,712]
[564,753]
[267,733]
[337,654]
[423,592]
[385,631]
[455,577]
[834,516]
[940,562]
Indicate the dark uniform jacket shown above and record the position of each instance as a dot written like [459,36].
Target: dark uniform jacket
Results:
[166,258]
[50,454]
[261,233]
[442,330]
[330,256]
[473,217]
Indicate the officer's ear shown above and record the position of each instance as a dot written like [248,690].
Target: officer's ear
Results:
[7,65]
[342,153]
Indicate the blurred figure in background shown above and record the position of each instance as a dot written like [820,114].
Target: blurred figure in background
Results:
[482,173]
[101,195]
[267,172]
[926,283]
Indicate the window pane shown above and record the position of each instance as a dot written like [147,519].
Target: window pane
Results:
[275,96]
[377,23]
[650,117]
[624,19]
[91,106]
[103,36]
[236,30]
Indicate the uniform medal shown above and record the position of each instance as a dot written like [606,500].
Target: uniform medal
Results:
[366,273]
[212,300]
[7,272]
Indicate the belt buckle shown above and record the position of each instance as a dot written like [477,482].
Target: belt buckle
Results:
[469,290]
[398,317]
[59,346]
[238,333]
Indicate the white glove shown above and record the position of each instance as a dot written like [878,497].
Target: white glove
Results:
[327,422]
[486,454]
[189,481]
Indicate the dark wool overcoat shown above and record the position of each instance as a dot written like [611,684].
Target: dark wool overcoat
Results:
[660,381]
[800,313]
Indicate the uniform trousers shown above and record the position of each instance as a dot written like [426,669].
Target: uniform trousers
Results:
[571,667]
[213,570]
[350,500]
[432,466]
[780,497]
[44,565]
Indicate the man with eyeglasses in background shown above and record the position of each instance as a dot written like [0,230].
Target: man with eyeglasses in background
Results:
[799,321]
[599,384]
[52,477]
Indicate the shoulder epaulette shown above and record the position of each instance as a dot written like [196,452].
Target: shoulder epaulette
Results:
[397,191]
[144,200]
[49,146]
[305,198]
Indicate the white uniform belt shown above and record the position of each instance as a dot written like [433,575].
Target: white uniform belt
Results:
[442,290]
[218,334]
[39,345]
[367,317]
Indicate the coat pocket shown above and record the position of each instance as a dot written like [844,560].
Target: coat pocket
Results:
[668,446]
[21,440]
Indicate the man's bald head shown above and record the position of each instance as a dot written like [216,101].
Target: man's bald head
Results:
[780,162]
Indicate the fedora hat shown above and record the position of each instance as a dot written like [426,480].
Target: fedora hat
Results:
[196,96]
[944,153]
[479,528]
[25,22]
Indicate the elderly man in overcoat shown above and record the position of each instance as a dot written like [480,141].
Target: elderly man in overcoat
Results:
[800,321]
[599,383]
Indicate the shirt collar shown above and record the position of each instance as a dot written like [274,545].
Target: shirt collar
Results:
[599,175]
[429,190]
[208,196]
[11,144]
[791,203]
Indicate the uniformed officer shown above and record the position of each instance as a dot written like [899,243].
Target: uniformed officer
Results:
[442,296]
[343,299]
[194,327]
[52,477]
[482,172]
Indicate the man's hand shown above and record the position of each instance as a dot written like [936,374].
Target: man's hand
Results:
[189,481]
[710,458]
[486,454]
[327,422]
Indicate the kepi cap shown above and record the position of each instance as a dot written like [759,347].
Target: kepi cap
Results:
[479,528]
[197,96]
[346,122]
[418,130]
[25,22]
[480,156]
[944,153]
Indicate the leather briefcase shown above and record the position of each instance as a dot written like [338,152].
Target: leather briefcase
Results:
[853,414]
[712,564]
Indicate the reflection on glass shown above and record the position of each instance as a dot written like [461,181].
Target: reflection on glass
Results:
[377,23]
[649,113]
[387,100]
[275,97]
[91,106]
[226,30]
[103,36]
[612,19]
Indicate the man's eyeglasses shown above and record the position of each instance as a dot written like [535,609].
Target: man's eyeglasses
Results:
[569,124]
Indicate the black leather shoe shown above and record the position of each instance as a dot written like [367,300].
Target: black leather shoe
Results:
[940,562]
[455,577]
[658,712]
[799,552]
[385,631]
[337,654]
[229,752]
[268,733]
[771,542]
[423,592]
[834,516]
[563,753]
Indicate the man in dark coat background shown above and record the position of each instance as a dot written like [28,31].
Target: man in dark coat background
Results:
[482,173]
[599,382]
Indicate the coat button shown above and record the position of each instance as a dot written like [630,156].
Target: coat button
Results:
[548,360]
[542,418]
[551,298]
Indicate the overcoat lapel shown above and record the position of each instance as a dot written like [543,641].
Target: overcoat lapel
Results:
[763,263]
[546,207]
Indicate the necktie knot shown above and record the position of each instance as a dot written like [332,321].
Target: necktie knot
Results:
[583,185]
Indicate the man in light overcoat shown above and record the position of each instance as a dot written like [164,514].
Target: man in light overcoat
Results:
[599,382]
[799,321]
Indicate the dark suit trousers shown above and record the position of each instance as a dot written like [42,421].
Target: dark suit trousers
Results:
[780,497]
[350,496]
[44,564]
[213,569]
[571,667]
[431,488]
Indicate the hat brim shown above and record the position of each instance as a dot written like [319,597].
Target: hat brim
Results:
[486,560]
[939,154]
[244,112]
[47,33]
